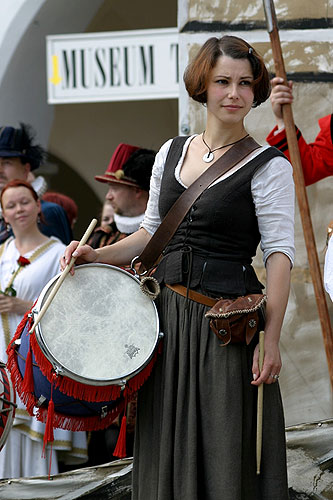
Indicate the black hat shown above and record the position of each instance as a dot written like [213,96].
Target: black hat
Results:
[129,165]
[17,143]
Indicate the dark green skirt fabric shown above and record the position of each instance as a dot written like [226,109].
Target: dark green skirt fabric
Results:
[196,422]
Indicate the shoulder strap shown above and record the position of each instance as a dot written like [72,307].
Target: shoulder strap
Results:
[267,155]
[40,250]
[179,209]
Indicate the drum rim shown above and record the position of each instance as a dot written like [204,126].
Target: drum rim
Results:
[66,372]
[11,411]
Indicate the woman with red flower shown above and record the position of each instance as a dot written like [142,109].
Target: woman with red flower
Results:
[27,263]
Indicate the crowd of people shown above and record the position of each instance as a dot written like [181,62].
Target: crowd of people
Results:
[195,417]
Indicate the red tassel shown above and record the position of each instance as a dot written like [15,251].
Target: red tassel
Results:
[28,379]
[48,434]
[120,449]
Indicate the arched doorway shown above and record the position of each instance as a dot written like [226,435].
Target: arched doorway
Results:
[60,177]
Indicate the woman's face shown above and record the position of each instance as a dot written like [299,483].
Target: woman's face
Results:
[20,209]
[107,214]
[229,91]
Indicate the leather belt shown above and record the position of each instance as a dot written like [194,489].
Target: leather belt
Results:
[191,294]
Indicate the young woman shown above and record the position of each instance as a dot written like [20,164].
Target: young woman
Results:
[27,262]
[196,423]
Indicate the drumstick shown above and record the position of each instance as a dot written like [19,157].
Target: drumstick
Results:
[260,402]
[63,275]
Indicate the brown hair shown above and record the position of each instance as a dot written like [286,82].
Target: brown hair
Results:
[197,72]
[67,203]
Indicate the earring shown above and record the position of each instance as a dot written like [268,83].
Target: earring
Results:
[8,227]
[38,219]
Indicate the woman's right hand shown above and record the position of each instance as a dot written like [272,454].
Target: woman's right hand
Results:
[13,305]
[281,94]
[82,255]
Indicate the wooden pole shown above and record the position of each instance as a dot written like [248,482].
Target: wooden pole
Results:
[302,198]
[260,403]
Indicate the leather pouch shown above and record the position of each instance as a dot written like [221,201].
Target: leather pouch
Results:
[237,320]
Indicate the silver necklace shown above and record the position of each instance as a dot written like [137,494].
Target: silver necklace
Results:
[209,156]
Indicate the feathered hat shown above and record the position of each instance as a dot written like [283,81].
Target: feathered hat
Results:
[18,143]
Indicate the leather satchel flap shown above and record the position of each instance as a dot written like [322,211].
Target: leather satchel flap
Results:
[225,308]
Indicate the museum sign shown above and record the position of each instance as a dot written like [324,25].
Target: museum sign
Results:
[113,66]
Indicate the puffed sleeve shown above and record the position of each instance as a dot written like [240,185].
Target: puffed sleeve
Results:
[274,198]
[317,157]
[328,269]
[152,219]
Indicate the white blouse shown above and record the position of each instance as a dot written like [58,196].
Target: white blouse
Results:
[328,269]
[272,188]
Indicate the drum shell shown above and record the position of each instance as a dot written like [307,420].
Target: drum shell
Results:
[63,403]
[80,402]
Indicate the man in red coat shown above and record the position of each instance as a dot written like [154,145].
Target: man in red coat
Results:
[316,157]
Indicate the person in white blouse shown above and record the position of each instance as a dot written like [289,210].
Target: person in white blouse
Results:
[328,267]
[28,261]
[195,434]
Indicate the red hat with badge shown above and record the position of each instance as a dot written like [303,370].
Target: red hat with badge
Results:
[130,166]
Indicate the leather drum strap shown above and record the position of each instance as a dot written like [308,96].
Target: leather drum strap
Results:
[179,209]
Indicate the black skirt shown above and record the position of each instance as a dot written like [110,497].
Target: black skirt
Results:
[196,422]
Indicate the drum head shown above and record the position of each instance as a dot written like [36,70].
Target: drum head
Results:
[100,328]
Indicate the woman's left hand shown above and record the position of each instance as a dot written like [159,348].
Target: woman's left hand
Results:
[13,305]
[272,364]
[277,291]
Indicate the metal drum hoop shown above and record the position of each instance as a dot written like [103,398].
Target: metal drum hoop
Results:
[9,409]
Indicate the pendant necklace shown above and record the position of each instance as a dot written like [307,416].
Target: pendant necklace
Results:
[209,156]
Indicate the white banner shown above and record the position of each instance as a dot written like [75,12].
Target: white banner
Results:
[113,66]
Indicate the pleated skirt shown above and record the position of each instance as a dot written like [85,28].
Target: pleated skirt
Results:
[196,422]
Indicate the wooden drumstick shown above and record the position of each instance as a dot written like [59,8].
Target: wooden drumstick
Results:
[260,401]
[63,275]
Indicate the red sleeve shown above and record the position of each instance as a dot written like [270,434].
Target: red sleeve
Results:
[316,157]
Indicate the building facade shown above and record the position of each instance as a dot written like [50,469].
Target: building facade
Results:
[80,137]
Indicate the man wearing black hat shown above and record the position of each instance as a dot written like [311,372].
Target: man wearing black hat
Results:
[128,176]
[18,157]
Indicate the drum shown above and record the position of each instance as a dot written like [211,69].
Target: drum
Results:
[7,404]
[92,350]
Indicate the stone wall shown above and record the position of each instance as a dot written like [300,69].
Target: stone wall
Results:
[307,45]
